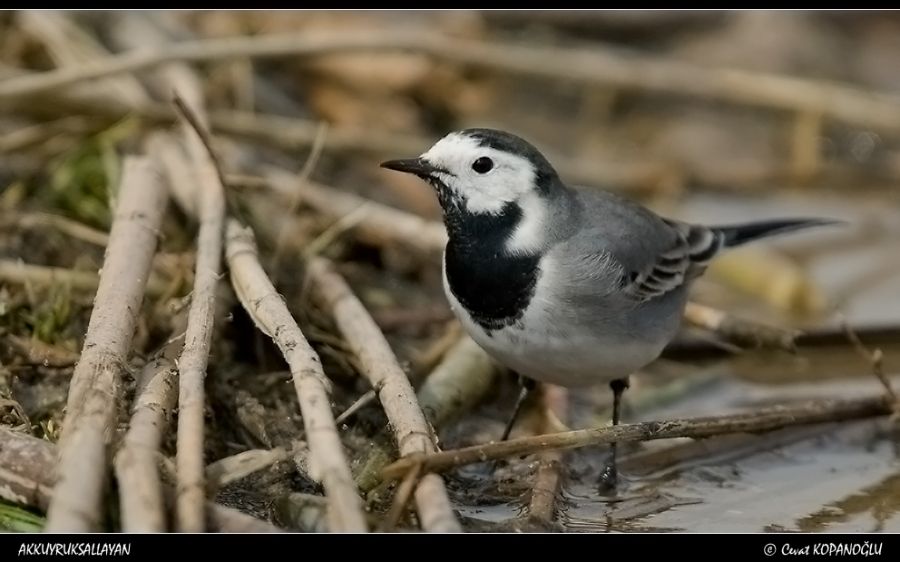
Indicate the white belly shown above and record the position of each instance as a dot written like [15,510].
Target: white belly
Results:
[541,347]
[566,360]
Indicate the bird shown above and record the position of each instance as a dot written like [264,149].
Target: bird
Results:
[563,284]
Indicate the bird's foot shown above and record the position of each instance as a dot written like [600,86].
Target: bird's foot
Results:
[608,482]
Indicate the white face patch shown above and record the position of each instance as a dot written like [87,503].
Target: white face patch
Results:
[510,178]
[531,231]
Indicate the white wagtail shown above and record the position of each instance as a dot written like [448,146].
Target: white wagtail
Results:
[566,286]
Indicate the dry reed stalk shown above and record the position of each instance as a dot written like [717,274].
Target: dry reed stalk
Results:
[194,358]
[207,206]
[140,488]
[328,463]
[94,389]
[412,433]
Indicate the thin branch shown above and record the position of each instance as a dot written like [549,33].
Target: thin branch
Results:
[37,352]
[202,50]
[166,149]
[71,47]
[14,271]
[94,390]
[379,225]
[241,465]
[294,133]
[140,488]
[314,154]
[380,366]
[39,220]
[828,336]
[401,498]
[811,412]
[367,398]
[458,382]
[198,126]
[595,65]
[876,360]
[192,365]
[141,494]
[328,463]
[739,331]
[33,134]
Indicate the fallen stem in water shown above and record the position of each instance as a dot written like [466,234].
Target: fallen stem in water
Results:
[776,417]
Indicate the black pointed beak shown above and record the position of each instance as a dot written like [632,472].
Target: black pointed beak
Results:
[417,166]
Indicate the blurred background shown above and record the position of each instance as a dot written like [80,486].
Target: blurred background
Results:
[711,116]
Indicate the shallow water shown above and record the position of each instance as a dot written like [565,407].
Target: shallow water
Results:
[835,482]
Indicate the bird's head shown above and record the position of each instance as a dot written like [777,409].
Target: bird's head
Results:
[482,171]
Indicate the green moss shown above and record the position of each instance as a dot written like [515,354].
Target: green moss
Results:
[48,314]
[83,181]
[50,317]
[17,520]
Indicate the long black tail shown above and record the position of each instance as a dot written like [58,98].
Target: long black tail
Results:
[738,234]
[706,242]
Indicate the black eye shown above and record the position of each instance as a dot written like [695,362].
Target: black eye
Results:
[483,165]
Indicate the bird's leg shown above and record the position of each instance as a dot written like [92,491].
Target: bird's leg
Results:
[610,475]
[527,385]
